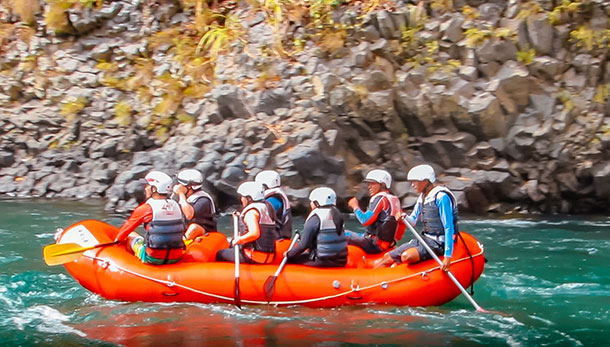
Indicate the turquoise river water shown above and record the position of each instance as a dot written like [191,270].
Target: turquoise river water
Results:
[549,279]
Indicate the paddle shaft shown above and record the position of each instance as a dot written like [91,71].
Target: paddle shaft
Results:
[236,246]
[285,260]
[269,285]
[62,253]
[84,249]
[449,273]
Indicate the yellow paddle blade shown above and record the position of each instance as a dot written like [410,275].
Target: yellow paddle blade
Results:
[62,253]
[67,252]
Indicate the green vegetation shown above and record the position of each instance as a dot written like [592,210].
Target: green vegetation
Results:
[585,38]
[565,7]
[72,107]
[328,26]
[122,113]
[529,9]
[526,56]
[475,37]
[601,94]
[441,6]
[566,99]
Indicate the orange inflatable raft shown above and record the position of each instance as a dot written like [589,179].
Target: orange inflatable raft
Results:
[115,273]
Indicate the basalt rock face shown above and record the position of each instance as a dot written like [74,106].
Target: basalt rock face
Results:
[518,120]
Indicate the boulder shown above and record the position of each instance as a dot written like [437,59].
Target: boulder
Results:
[447,150]
[272,99]
[540,32]
[6,159]
[601,180]
[497,50]
[230,101]
[452,29]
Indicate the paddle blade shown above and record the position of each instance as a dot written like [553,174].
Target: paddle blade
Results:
[66,252]
[62,253]
[269,287]
[237,298]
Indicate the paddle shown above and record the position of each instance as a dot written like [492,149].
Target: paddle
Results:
[235,232]
[449,273]
[269,285]
[62,253]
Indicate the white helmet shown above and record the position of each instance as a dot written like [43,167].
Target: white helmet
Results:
[379,176]
[421,173]
[269,178]
[252,189]
[159,180]
[323,196]
[190,177]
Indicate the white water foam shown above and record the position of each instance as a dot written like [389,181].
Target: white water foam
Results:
[46,319]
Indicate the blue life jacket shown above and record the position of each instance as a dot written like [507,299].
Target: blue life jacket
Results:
[167,226]
[431,218]
[330,240]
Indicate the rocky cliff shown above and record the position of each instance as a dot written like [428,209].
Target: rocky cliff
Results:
[508,100]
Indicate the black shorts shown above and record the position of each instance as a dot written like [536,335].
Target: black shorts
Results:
[437,247]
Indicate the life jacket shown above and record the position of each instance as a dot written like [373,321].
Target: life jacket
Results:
[284,217]
[330,241]
[167,226]
[384,228]
[430,215]
[204,218]
[269,231]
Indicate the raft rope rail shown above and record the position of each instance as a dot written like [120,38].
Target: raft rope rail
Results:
[170,284]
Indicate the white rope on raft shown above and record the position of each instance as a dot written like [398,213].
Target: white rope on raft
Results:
[295,302]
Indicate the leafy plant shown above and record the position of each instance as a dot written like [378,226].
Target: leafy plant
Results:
[72,107]
[107,66]
[56,17]
[529,9]
[26,9]
[122,113]
[504,33]
[470,13]
[218,37]
[6,32]
[441,6]
[566,99]
[601,94]
[91,3]
[526,56]
[475,37]
[330,40]
[28,63]
[276,13]
[584,37]
[566,6]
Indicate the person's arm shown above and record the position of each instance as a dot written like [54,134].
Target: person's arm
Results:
[309,232]
[412,218]
[187,210]
[254,232]
[142,214]
[369,217]
[445,208]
